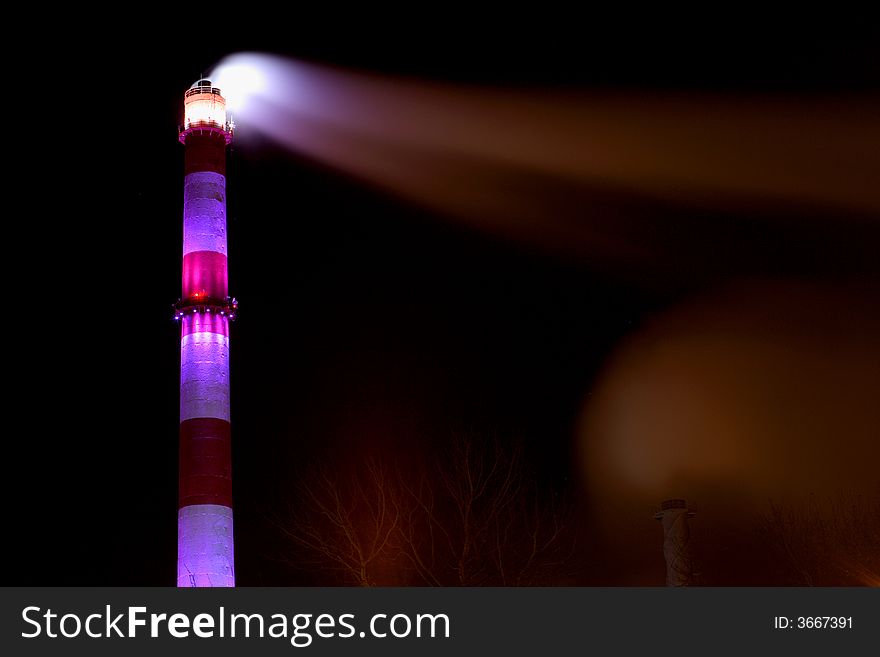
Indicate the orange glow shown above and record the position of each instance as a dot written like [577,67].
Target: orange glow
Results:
[759,392]
[772,386]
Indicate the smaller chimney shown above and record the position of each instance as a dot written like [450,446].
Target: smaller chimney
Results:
[673,515]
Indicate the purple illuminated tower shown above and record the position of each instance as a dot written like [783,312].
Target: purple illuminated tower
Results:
[204,520]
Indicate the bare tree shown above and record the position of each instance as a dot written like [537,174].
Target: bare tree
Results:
[471,515]
[830,543]
[345,523]
[491,526]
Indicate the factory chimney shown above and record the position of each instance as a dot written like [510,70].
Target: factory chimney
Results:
[204,311]
[673,516]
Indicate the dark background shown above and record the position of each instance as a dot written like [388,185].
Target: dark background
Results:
[362,318]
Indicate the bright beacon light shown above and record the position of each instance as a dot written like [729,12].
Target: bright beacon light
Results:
[239,79]
[204,106]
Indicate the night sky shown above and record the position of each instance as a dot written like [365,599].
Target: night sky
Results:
[365,319]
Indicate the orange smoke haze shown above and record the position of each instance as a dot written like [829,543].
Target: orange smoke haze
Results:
[761,391]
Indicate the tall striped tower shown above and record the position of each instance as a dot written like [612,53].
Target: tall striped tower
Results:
[204,517]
